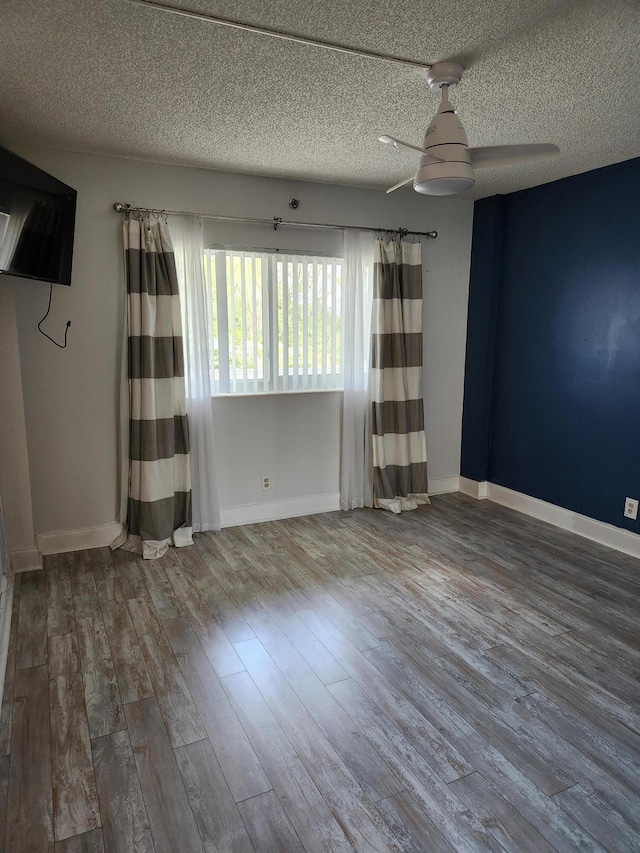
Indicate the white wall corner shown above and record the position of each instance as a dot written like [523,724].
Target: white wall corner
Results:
[444,485]
[233,516]
[62,541]
[6,602]
[473,488]
[25,560]
[597,531]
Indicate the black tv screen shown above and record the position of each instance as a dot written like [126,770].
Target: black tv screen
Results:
[37,218]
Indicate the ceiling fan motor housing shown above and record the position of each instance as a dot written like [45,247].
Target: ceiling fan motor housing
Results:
[446,168]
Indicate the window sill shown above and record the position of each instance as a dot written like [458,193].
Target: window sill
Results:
[243,394]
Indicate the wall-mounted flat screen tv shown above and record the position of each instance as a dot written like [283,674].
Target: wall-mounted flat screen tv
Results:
[37,219]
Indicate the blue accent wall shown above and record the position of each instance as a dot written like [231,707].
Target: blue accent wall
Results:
[552,387]
[484,286]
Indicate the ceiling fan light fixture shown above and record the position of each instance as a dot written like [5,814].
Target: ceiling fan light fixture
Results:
[434,178]
[444,186]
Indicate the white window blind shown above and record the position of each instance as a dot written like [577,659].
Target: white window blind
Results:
[276,321]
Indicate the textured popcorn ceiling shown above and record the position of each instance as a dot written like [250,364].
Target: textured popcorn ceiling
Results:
[109,77]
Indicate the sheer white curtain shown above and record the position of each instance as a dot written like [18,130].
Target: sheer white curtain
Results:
[196,302]
[357,294]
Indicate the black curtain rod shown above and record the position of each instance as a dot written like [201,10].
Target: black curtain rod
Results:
[275,222]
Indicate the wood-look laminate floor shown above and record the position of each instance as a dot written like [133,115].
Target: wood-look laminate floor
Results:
[458,678]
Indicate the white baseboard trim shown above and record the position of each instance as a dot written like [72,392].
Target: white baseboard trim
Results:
[25,560]
[473,488]
[597,531]
[233,516]
[444,485]
[6,604]
[77,540]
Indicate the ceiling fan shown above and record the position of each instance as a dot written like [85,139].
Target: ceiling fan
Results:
[447,163]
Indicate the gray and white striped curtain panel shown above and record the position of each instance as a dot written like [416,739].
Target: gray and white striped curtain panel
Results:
[159,503]
[399,443]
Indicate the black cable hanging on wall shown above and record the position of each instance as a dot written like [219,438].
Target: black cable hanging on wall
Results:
[42,332]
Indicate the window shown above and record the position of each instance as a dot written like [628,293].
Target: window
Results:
[276,321]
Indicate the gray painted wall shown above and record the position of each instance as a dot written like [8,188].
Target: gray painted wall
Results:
[71,396]
[14,459]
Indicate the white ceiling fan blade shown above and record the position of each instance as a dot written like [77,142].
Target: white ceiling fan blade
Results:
[401,184]
[398,143]
[510,155]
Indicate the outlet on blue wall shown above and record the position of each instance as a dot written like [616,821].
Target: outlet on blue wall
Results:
[552,387]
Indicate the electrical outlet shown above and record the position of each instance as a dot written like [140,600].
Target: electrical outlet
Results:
[631,508]
[266,482]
